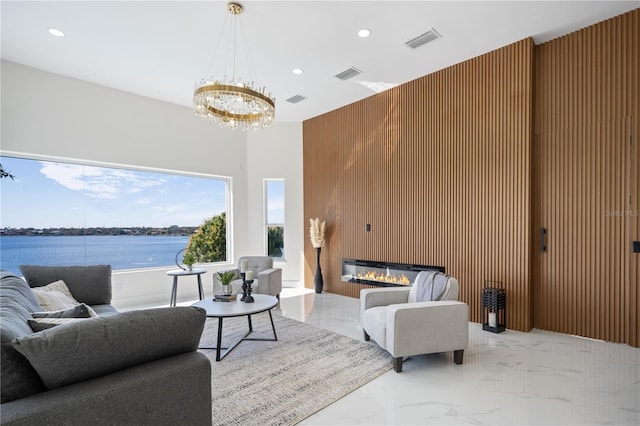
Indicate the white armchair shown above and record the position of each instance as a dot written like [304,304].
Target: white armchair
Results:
[267,279]
[403,327]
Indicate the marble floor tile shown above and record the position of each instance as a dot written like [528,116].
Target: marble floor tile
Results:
[511,378]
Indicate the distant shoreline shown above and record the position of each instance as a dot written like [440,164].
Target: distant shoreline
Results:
[94,235]
[174,230]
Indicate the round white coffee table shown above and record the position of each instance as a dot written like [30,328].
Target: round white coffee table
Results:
[221,310]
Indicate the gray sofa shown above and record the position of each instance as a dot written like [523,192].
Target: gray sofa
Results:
[130,368]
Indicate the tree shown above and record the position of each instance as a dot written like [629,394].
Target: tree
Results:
[209,242]
[275,241]
[4,173]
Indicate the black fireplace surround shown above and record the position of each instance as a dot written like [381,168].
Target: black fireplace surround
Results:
[383,274]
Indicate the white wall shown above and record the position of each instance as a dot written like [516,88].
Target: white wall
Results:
[276,153]
[82,121]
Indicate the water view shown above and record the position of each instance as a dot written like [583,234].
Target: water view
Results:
[119,251]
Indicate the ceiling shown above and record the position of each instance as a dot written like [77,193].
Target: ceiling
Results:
[159,49]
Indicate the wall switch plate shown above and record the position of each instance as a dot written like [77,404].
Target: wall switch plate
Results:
[368,227]
[636,246]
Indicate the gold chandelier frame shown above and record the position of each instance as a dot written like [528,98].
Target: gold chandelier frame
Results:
[231,103]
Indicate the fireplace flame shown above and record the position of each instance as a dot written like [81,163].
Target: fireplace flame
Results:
[388,278]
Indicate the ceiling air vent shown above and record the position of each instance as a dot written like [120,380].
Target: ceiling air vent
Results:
[348,73]
[296,98]
[423,39]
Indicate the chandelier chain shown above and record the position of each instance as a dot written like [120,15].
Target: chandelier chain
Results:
[252,75]
[235,46]
[215,49]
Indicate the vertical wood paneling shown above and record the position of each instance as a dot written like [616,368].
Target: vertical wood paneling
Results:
[632,291]
[586,183]
[440,168]
[446,171]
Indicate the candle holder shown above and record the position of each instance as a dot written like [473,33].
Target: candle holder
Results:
[494,308]
[244,286]
[249,298]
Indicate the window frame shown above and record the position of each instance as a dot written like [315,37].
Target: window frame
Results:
[228,184]
[266,224]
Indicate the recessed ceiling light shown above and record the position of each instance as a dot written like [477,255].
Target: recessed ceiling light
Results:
[363,33]
[298,71]
[56,32]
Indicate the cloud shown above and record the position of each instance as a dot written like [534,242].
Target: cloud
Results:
[171,208]
[275,203]
[99,182]
[142,201]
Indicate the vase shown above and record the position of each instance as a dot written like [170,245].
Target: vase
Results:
[317,279]
[227,290]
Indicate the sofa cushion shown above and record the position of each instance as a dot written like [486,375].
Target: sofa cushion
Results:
[41,324]
[88,284]
[46,320]
[78,311]
[17,302]
[101,310]
[19,379]
[98,346]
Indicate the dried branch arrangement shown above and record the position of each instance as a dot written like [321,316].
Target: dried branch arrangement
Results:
[316,232]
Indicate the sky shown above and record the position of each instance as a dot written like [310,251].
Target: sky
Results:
[50,195]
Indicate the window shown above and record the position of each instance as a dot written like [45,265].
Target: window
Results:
[274,217]
[55,213]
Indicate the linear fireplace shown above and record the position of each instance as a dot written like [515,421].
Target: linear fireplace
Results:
[382,274]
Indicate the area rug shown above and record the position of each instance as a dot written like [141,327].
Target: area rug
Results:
[283,382]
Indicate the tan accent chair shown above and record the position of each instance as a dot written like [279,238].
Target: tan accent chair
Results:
[403,327]
[267,279]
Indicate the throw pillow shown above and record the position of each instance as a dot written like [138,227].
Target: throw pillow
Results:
[55,296]
[19,379]
[78,311]
[98,346]
[40,324]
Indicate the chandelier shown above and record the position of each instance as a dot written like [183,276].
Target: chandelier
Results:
[230,102]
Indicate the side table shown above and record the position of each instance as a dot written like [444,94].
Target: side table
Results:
[175,273]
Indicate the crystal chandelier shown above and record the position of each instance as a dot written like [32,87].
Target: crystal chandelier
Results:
[230,102]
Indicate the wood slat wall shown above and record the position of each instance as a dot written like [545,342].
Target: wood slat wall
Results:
[440,168]
[585,175]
